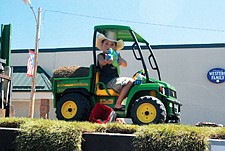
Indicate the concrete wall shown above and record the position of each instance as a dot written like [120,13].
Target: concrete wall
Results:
[185,68]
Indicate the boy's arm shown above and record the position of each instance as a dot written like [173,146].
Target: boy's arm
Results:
[102,61]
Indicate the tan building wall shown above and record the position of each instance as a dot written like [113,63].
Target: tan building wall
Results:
[184,68]
[187,70]
[21,104]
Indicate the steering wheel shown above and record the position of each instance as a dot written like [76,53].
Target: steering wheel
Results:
[142,72]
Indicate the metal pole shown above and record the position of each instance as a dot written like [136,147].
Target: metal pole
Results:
[33,88]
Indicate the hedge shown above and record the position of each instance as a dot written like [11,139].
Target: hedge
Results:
[40,134]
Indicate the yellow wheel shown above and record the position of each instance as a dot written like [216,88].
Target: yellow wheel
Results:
[146,113]
[147,110]
[69,109]
[73,107]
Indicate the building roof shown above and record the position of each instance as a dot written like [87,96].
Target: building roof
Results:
[22,83]
[154,47]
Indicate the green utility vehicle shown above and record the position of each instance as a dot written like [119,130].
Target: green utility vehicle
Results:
[152,101]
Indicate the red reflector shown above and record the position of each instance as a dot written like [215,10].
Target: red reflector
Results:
[161,89]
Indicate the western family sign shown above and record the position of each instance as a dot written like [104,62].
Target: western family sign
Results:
[216,75]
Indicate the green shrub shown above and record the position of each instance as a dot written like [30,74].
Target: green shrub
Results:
[40,134]
[13,122]
[217,133]
[49,135]
[117,128]
[169,137]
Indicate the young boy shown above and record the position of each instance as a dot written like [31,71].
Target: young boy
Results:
[109,73]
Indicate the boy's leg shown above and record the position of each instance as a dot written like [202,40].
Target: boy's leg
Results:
[122,95]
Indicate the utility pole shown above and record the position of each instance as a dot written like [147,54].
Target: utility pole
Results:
[33,88]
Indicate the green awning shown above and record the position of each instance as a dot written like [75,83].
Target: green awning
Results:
[122,32]
[20,82]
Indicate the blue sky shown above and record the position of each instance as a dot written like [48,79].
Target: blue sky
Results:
[69,23]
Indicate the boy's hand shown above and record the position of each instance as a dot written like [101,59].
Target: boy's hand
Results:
[122,62]
[108,61]
[108,57]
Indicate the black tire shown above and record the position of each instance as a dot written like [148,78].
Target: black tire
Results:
[147,110]
[175,120]
[73,107]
